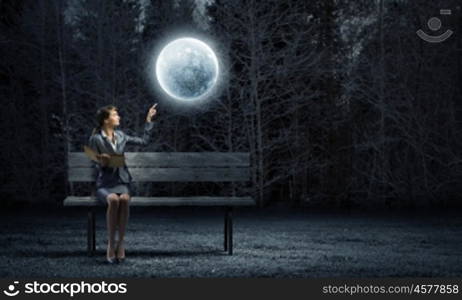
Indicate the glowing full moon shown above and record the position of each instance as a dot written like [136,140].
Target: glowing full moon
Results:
[187,69]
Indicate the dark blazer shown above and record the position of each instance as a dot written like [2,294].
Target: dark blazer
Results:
[107,176]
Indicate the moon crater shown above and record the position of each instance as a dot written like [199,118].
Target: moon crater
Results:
[187,69]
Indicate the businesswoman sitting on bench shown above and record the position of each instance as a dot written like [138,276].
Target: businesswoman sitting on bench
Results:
[113,184]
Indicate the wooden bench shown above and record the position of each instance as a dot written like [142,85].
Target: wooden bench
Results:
[167,167]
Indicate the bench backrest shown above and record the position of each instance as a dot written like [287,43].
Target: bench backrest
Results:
[170,166]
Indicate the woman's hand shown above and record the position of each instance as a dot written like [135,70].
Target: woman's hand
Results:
[151,113]
[103,159]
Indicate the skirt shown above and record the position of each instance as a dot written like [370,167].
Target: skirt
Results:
[103,192]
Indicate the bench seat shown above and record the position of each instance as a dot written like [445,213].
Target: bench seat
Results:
[167,201]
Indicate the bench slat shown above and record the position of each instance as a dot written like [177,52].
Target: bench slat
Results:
[167,201]
[170,174]
[172,159]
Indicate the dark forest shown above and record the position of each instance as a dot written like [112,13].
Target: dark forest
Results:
[339,103]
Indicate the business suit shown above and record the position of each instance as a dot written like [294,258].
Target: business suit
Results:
[111,176]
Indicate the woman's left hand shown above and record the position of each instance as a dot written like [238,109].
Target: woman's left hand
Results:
[151,113]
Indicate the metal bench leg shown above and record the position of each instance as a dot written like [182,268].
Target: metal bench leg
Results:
[93,230]
[91,238]
[230,230]
[226,229]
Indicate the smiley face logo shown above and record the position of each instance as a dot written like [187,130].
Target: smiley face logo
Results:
[435,24]
[10,291]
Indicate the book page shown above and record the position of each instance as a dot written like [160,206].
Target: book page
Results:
[115,160]
[90,153]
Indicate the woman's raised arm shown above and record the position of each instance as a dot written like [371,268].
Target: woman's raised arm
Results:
[143,141]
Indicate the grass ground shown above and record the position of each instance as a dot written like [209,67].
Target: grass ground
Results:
[187,242]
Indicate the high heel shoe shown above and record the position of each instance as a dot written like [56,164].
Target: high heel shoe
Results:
[111,260]
[120,259]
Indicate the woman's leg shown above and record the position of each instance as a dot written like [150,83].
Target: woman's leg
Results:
[124,212]
[111,218]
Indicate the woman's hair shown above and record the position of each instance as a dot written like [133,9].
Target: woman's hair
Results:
[102,114]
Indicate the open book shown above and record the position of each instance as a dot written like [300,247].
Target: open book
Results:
[115,160]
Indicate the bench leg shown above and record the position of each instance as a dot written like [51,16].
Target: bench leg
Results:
[229,230]
[91,238]
[230,233]
[226,230]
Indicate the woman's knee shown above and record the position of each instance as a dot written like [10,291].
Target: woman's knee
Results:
[124,198]
[113,199]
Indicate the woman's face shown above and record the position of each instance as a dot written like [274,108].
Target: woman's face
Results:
[113,119]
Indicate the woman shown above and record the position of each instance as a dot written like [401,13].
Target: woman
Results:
[113,184]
